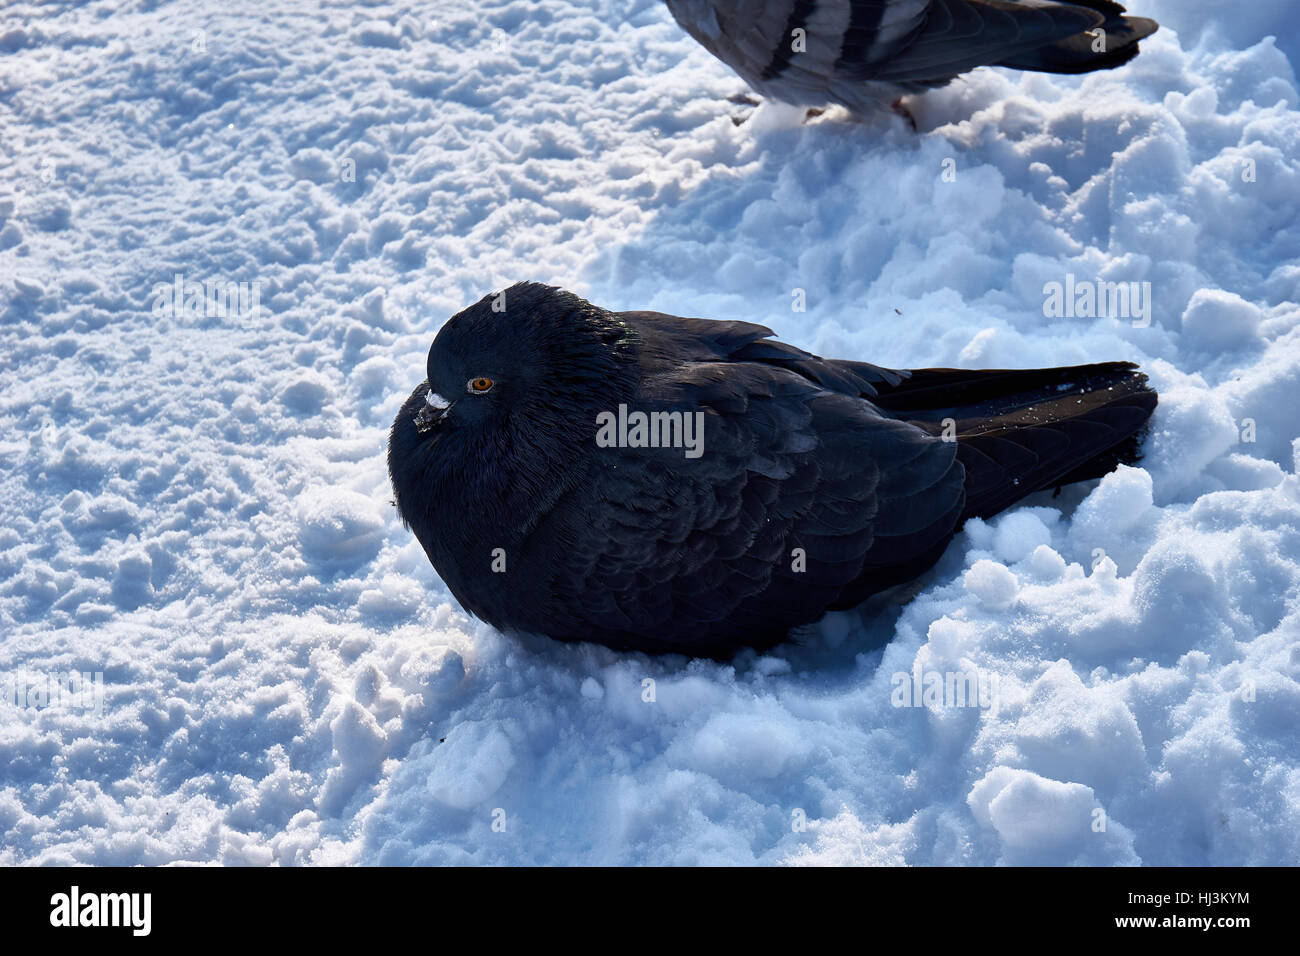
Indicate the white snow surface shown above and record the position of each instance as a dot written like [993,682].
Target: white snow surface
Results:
[197,506]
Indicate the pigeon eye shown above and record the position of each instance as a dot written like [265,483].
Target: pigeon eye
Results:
[478,384]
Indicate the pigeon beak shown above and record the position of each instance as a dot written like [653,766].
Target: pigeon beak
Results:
[435,407]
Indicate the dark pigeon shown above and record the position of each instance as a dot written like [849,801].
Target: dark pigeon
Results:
[816,484]
[863,54]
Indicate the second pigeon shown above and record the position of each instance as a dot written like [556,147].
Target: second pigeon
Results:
[866,54]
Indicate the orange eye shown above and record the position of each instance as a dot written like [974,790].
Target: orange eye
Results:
[478,384]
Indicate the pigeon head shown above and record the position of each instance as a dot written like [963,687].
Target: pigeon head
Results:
[507,412]
[522,355]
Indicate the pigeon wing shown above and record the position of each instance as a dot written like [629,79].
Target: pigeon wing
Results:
[817,45]
[802,496]
[954,36]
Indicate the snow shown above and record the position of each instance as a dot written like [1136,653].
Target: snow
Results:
[993,584]
[195,505]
